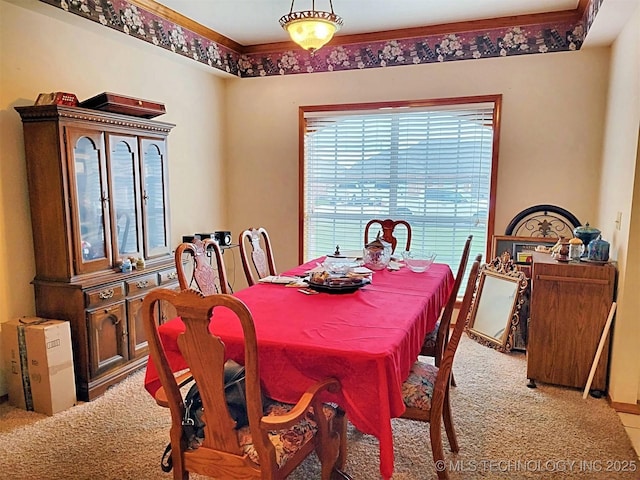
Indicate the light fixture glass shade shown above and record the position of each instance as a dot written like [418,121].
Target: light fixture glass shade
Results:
[311,29]
[311,34]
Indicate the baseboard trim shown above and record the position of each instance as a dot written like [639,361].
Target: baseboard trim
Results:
[632,408]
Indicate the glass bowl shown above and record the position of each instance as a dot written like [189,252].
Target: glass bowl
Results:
[338,266]
[418,262]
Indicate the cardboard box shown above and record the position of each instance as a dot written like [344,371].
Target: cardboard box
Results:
[39,364]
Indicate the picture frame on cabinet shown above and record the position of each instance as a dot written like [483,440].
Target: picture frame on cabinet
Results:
[519,248]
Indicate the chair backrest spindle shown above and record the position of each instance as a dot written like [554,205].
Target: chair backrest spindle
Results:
[388,227]
[442,337]
[256,242]
[208,280]
[461,321]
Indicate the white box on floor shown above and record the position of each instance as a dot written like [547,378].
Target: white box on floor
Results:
[39,364]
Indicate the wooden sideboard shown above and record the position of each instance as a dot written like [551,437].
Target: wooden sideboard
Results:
[570,303]
[98,192]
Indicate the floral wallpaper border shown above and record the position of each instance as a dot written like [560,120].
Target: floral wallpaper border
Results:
[126,17]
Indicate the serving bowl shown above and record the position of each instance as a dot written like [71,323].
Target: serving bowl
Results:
[418,262]
[339,266]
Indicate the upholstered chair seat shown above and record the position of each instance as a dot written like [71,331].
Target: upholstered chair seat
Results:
[417,390]
[288,441]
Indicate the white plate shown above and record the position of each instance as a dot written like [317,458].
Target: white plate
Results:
[280,279]
[361,270]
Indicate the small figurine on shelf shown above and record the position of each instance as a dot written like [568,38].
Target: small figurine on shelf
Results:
[575,249]
[598,250]
[86,250]
[140,264]
[126,266]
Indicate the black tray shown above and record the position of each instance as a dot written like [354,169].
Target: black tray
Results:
[343,288]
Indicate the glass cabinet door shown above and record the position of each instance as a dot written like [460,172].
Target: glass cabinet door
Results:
[124,180]
[155,197]
[92,249]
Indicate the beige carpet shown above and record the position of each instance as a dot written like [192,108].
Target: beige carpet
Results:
[505,431]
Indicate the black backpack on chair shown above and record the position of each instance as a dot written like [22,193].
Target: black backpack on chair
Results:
[192,424]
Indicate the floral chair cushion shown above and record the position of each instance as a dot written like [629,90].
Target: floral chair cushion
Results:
[286,442]
[417,390]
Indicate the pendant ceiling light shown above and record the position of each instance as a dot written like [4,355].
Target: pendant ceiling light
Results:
[311,29]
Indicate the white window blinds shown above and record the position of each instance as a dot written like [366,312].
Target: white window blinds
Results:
[430,166]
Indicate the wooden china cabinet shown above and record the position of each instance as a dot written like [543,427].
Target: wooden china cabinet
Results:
[98,191]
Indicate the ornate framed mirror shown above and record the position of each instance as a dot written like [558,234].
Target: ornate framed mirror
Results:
[495,313]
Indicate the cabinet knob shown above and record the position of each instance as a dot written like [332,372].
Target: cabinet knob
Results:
[172,275]
[142,284]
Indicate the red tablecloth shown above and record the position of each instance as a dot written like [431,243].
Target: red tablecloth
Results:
[367,339]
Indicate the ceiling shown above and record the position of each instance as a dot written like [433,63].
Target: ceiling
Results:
[255,22]
[252,22]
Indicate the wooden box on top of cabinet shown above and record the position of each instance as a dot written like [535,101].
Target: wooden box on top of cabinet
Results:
[570,303]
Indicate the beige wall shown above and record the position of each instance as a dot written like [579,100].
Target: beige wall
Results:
[44,50]
[550,140]
[619,194]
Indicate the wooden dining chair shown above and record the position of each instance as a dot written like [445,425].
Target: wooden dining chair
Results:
[205,277]
[256,242]
[426,390]
[388,226]
[278,436]
[436,341]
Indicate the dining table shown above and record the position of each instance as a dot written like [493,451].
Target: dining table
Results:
[367,339]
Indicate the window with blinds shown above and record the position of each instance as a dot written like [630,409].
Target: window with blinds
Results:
[430,164]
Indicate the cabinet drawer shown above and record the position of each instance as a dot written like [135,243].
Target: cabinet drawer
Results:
[168,276]
[139,284]
[104,294]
